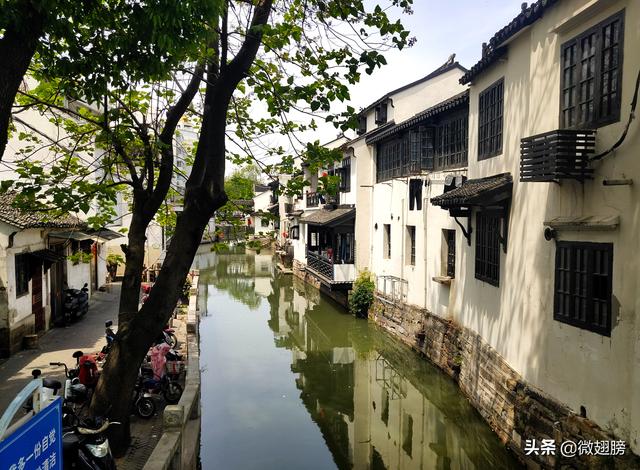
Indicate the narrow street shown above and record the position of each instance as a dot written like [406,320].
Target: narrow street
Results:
[58,344]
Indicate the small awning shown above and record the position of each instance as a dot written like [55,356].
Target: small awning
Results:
[584,223]
[70,236]
[293,214]
[329,218]
[104,234]
[47,255]
[480,192]
[274,209]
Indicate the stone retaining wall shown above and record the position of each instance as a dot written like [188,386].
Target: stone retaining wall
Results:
[515,410]
[300,271]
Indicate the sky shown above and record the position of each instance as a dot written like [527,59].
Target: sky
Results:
[442,28]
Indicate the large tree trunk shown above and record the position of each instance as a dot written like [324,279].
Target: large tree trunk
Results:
[137,335]
[134,253]
[204,195]
[17,47]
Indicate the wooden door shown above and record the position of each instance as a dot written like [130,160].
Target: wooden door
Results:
[56,274]
[36,295]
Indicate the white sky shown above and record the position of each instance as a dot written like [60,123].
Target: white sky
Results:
[441,27]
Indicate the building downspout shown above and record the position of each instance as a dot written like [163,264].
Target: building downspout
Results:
[425,207]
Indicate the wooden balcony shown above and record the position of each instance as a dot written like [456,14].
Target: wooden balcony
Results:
[313,199]
[328,272]
[556,155]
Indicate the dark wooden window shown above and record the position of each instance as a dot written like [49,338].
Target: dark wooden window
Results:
[583,284]
[345,175]
[23,268]
[294,232]
[451,142]
[411,238]
[490,112]
[450,239]
[362,125]
[381,113]
[488,247]
[387,240]
[592,75]
[408,154]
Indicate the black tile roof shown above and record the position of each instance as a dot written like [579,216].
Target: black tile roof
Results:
[328,217]
[477,192]
[23,219]
[495,49]
[455,101]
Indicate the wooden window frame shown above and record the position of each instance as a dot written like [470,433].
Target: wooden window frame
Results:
[407,154]
[386,234]
[575,47]
[491,120]
[381,113]
[450,252]
[362,125]
[411,238]
[23,274]
[294,232]
[345,175]
[487,258]
[451,141]
[575,284]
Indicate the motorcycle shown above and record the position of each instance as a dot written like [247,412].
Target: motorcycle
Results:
[85,446]
[76,303]
[143,403]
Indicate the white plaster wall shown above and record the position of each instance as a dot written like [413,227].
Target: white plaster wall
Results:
[78,275]
[415,99]
[260,203]
[576,366]
[363,164]
[20,308]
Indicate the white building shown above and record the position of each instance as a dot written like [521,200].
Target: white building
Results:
[39,258]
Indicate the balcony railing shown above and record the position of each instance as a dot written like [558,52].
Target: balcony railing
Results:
[313,199]
[320,265]
[556,155]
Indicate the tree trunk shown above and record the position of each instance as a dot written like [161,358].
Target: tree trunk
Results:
[134,339]
[17,47]
[134,253]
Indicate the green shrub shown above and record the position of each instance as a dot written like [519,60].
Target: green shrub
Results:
[361,296]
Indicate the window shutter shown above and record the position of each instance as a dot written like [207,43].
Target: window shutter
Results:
[426,147]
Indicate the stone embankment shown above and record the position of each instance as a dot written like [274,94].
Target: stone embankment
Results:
[515,410]
[179,445]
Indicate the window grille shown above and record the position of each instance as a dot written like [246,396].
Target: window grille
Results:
[583,285]
[592,75]
[488,247]
[490,112]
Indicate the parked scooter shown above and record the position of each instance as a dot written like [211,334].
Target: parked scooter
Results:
[143,403]
[168,336]
[76,303]
[85,446]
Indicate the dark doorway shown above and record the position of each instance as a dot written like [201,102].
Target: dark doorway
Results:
[36,295]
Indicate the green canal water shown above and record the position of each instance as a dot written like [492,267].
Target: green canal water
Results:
[292,382]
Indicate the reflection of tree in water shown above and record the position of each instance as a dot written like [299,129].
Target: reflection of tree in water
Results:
[235,274]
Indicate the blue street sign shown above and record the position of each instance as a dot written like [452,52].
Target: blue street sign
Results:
[37,444]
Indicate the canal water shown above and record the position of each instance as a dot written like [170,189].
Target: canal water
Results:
[292,382]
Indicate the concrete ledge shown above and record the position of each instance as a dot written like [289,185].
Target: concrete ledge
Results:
[179,446]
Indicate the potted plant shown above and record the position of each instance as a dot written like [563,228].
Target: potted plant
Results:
[113,261]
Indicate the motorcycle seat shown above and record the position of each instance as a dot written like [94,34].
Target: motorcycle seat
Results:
[52,384]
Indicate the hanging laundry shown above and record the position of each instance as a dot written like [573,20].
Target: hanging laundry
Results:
[415,194]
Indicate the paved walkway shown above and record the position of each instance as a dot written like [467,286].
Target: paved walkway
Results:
[58,344]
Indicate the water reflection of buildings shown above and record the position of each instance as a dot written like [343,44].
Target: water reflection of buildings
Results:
[246,278]
[376,405]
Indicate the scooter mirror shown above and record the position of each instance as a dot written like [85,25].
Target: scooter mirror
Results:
[77,354]
[108,323]
[36,373]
